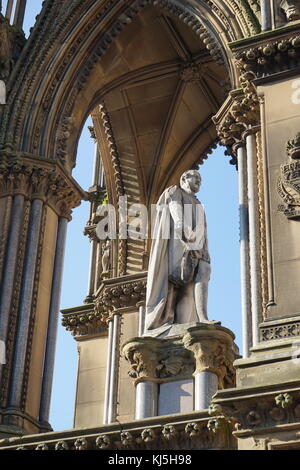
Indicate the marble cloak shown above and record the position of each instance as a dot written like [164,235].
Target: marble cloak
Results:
[166,257]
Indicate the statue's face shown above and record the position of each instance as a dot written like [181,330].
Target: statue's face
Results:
[191,182]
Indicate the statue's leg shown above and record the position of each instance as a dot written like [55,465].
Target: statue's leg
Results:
[201,290]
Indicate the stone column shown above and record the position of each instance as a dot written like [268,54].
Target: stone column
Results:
[41,193]
[253,233]
[143,354]
[205,352]
[113,384]
[206,385]
[214,352]
[53,321]
[20,13]
[9,8]
[266,15]
[10,266]
[108,369]
[244,248]
[146,400]
[92,268]
[17,378]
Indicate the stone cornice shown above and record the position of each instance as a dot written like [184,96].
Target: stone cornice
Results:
[238,115]
[83,321]
[268,54]
[197,430]
[257,410]
[38,178]
[116,293]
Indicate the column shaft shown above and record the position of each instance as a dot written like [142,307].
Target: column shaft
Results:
[9,7]
[20,13]
[266,15]
[244,250]
[253,235]
[146,400]
[112,404]
[108,369]
[91,282]
[206,385]
[9,267]
[25,305]
[53,320]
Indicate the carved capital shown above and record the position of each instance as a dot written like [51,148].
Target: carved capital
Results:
[36,178]
[214,351]
[158,360]
[201,348]
[119,293]
[239,113]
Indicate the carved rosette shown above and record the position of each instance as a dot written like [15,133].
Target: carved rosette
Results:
[214,351]
[36,178]
[288,184]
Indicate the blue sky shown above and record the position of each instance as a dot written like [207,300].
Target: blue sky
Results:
[219,194]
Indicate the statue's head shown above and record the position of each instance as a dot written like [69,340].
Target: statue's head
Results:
[190,181]
[291,9]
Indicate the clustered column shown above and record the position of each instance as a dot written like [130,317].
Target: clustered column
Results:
[36,200]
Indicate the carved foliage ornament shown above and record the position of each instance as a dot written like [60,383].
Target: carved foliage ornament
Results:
[126,294]
[288,184]
[271,57]
[33,179]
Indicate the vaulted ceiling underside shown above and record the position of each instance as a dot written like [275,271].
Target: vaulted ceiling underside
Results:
[162,88]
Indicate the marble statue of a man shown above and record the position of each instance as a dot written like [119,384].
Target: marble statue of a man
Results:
[179,265]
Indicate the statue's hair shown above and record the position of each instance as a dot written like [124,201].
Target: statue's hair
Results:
[182,178]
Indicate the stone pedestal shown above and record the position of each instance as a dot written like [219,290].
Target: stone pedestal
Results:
[197,362]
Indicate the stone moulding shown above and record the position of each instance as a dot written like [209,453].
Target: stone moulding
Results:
[272,411]
[118,293]
[286,330]
[183,432]
[83,321]
[267,54]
